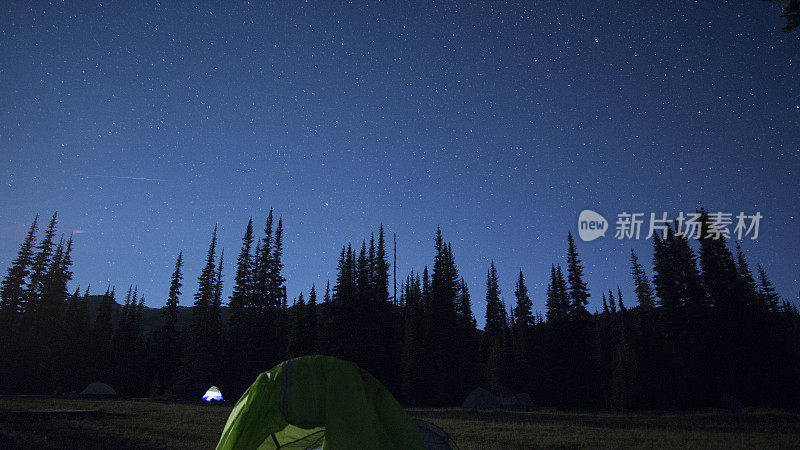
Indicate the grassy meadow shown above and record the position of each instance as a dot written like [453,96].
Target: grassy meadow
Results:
[148,424]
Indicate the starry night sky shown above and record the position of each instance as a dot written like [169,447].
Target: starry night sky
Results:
[145,124]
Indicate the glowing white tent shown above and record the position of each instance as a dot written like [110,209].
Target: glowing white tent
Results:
[213,394]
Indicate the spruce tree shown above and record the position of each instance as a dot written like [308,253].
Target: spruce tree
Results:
[605,339]
[77,342]
[218,285]
[204,298]
[642,286]
[13,293]
[581,335]
[381,269]
[73,304]
[168,340]
[138,373]
[494,331]
[623,374]
[578,290]
[465,306]
[102,331]
[364,288]
[124,344]
[327,324]
[426,290]
[766,291]
[240,300]
[51,314]
[83,311]
[665,280]
[748,286]
[683,316]
[522,338]
[13,286]
[345,307]
[275,278]
[522,315]
[556,307]
[556,366]
[468,349]
[248,323]
[120,335]
[296,341]
[258,316]
[170,312]
[255,278]
[199,367]
[46,323]
[312,322]
[671,323]
[261,278]
[38,274]
[441,324]
[385,318]
[644,339]
[720,335]
[414,385]
[371,267]
[277,295]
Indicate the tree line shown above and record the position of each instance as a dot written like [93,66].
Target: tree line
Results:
[702,328]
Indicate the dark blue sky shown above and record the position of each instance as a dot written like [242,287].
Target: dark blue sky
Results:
[144,124]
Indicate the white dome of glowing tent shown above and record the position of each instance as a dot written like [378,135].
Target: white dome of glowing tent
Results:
[213,395]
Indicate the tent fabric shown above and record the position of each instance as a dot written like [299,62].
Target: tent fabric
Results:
[509,402]
[505,392]
[433,437]
[315,401]
[98,389]
[480,398]
[213,394]
[524,400]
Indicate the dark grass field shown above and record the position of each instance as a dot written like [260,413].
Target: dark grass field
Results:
[148,424]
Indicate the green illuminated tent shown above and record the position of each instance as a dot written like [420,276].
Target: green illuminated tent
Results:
[318,401]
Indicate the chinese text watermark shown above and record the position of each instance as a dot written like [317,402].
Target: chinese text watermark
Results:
[592,225]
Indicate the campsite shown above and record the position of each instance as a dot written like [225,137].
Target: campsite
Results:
[151,424]
[314,402]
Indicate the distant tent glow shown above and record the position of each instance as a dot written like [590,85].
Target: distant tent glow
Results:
[213,394]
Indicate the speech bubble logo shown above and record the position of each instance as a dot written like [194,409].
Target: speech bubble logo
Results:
[591,225]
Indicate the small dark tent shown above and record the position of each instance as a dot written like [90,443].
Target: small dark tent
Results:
[480,398]
[315,401]
[98,389]
[524,400]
